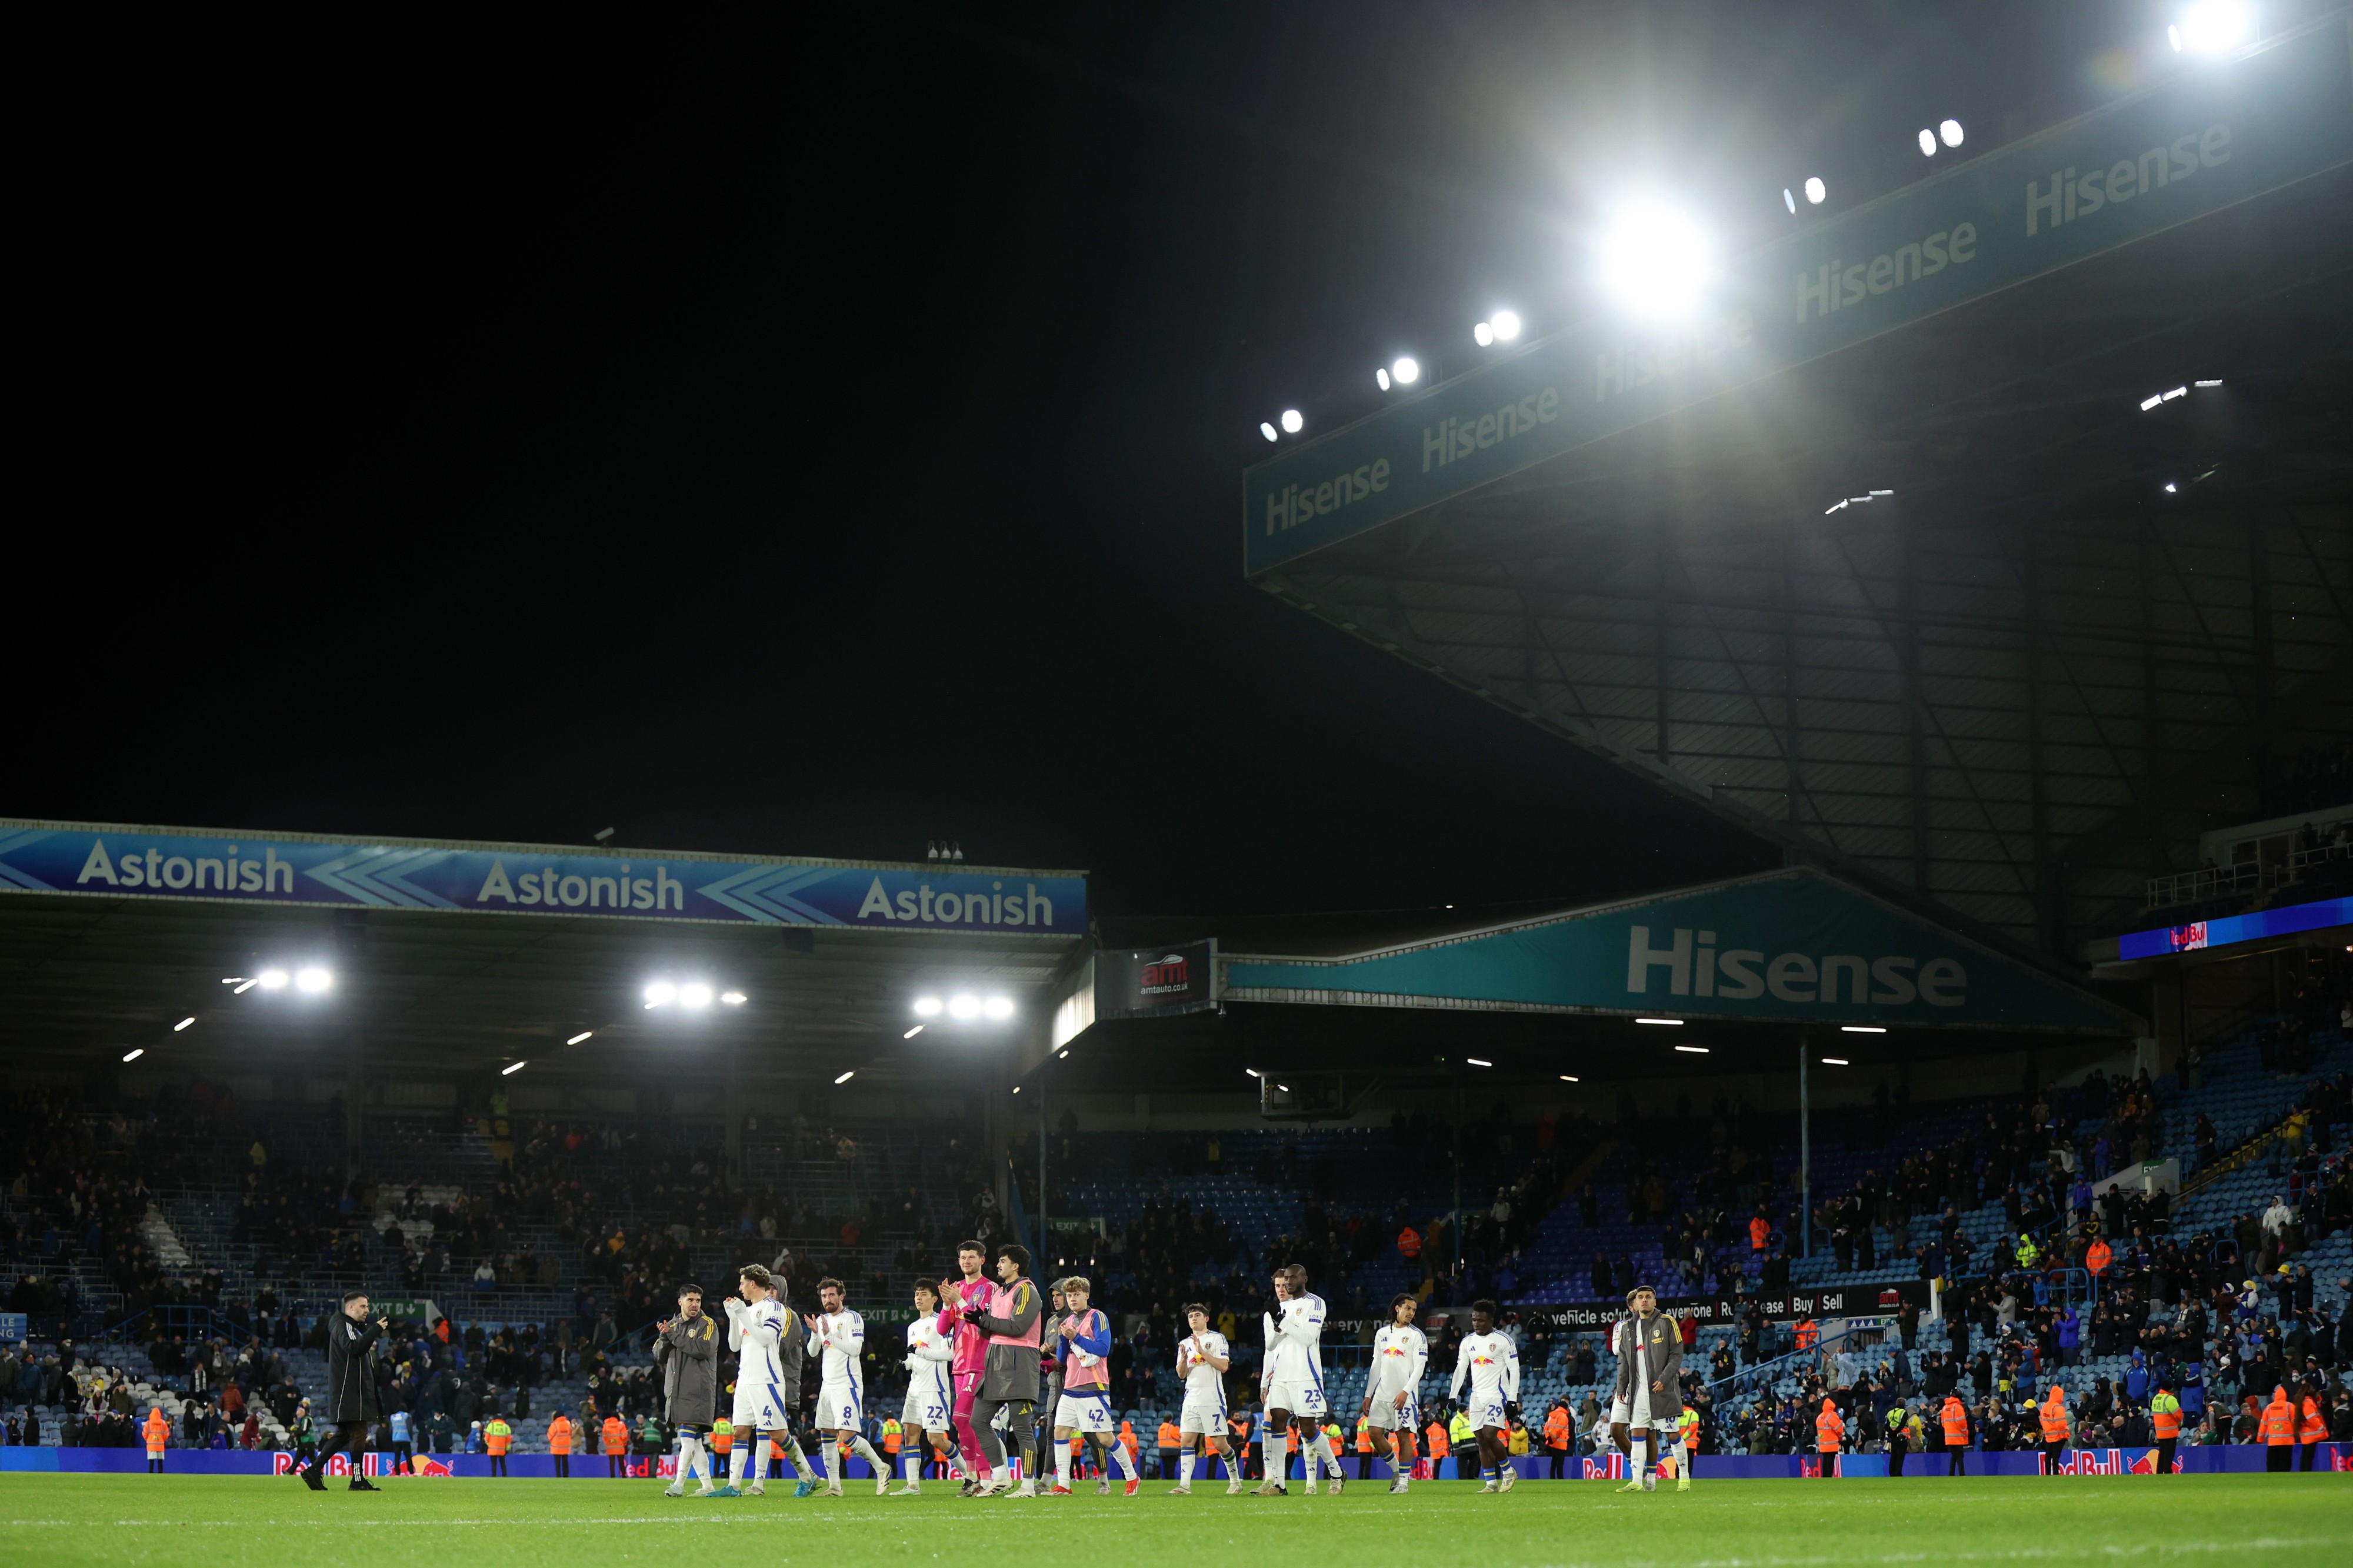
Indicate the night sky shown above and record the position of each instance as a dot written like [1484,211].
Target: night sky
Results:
[818,442]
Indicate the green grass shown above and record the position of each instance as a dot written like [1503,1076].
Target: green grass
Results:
[2222,1520]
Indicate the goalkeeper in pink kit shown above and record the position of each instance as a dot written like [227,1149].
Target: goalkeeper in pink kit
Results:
[971,1352]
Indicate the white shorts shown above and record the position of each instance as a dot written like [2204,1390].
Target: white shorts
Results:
[1298,1395]
[761,1407]
[926,1409]
[1486,1410]
[1203,1417]
[839,1404]
[1086,1410]
[1385,1415]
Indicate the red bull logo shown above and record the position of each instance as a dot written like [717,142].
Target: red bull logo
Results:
[1606,1467]
[2109,1462]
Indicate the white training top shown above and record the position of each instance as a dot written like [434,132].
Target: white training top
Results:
[1492,1362]
[754,1335]
[1400,1355]
[841,1338]
[1202,1379]
[926,1343]
[1294,1344]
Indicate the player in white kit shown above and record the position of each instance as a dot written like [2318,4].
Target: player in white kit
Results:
[1393,1394]
[924,1419]
[840,1336]
[1293,1384]
[1491,1362]
[755,1325]
[1203,1359]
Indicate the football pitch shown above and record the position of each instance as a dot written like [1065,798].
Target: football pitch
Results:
[61,1520]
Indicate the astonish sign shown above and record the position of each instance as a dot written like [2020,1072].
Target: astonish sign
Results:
[523,878]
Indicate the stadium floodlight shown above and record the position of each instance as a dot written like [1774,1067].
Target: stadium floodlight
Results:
[927,1007]
[845,1077]
[1283,1086]
[1671,1023]
[963,1006]
[1253,1072]
[733,998]
[1406,370]
[512,1069]
[1692,1050]
[2216,382]
[1789,200]
[1817,193]
[2176,392]
[1062,1056]
[1656,262]
[1483,334]
[1836,1062]
[233,979]
[998,1007]
[2170,488]
[134,1053]
[1949,132]
[183,1023]
[2210,26]
[1292,422]
[695,995]
[913,1033]
[1476,1062]
[583,1035]
[1927,143]
[312,980]
[1862,1029]
[272,979]
[1876,493]
[2151,401]
[1506,324]
[1267,430]
[1567,1079]
[660,994]
[246,986]
[1381,378]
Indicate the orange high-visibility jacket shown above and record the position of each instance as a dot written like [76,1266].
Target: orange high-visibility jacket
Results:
[1828,1428]
[159,1431]
[2054,1416]
[616,1437]
[1437,1444]
[1364,1437]
[559,1435]
[2097,1255]
[1555,1428]
[1955,1418]
[2279,1420]
[2314,1428]
[1171,1436]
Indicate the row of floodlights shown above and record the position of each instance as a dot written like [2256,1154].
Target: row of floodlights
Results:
[1503,327]
[2209,27]
[2154,398]
[693,993]
[964,1005]
[310,979]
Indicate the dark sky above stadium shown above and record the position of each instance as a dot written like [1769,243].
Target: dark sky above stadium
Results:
[823,440]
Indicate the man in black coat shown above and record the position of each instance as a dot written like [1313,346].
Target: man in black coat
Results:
[352,1402]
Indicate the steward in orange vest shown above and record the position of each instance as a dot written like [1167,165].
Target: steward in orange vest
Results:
[2277,1426]
[1829,1431]
[158,1432]
[2311,1428]
[1955,1419]
[2054,1418]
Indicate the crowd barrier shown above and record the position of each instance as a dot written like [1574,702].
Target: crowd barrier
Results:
[2236,1458]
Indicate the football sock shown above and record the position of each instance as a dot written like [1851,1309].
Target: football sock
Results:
[1319,1454]
[739,1463]
[800,1459]
[689,1454]
[1642,1456]
[1184,1468]
[1062,1465]
[832,1465]
[865,1450]
[911,1464]
[1682,1461]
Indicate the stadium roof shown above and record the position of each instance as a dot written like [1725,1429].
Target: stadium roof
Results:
[425,979]
[1932,599]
